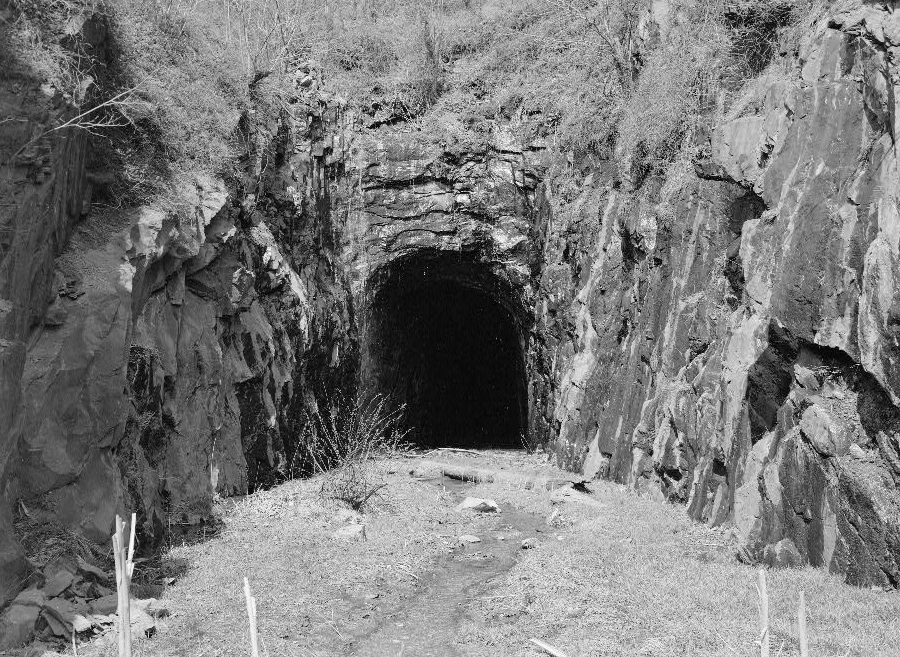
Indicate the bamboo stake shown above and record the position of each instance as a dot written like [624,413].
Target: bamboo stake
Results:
[547,648]
[763,615]
[117,554]
[251,615]
[801,621]
[124,570]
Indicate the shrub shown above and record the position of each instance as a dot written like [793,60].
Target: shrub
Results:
[678,86]
[343,442]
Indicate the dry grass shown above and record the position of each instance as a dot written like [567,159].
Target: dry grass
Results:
[199,65]
[638,578]
[633,577]
[310,587]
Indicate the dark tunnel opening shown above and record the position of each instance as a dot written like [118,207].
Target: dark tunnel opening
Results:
[444,339]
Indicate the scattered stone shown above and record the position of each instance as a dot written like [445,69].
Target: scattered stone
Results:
[806,378]
[351,533]
[108,604]
[142,623]
[569,494]
[826,435]
[91,572]
[59,583]
[57,627]
[345,515]
[82,623]
[469,538]
[478,505]
[784,554]
[60,615]
[60,564]
[529,543]
[17,622]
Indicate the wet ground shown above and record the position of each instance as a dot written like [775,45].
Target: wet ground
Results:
[429,623]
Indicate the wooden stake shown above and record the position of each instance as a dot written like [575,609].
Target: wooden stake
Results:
[124,570]
[547,648]
[763,615]
[801,622]
[117,554]
[251,616]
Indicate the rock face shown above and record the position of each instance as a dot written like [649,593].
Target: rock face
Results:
[724,334]
[732,322]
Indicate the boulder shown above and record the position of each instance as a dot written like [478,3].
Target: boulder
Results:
[783,554]
[351,533]
[17,622]
[108,604]
[469,538]
[478,505]
[806,378]
[58,583]
[828,436]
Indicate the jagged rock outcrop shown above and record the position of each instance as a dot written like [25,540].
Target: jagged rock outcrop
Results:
[723,336]
[44,189]
[733,324]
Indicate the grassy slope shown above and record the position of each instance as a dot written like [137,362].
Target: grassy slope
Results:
[634,577]
[639,578]
[196,66]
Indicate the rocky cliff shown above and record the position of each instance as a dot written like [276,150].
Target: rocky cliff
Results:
[722,335]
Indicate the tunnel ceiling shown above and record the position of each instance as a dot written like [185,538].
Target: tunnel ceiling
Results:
[444,338]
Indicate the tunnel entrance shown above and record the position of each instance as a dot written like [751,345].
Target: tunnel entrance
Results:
[444,337]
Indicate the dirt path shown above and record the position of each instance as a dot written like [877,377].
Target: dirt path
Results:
[609,573]
[430,622]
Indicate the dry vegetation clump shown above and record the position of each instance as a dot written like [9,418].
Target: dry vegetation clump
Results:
[571,61]
[602,78]
[343,442]
[45,540]
[610,77]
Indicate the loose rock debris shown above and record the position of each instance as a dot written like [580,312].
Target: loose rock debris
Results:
[478,505]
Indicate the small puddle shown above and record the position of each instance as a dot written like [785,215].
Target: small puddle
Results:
[428,623]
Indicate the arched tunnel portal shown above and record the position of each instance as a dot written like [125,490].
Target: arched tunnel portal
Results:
[445,334]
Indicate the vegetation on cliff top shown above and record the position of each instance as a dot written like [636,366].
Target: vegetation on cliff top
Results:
[627,77]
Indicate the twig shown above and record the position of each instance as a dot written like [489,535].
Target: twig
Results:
[763,615]
[251,615]
[81,120]
[801,622]
[547,648]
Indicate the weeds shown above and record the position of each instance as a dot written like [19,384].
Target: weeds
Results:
[343,441]
[604,81]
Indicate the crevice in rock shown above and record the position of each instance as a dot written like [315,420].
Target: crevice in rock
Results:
[445,335]
[769,381]
[745,207]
